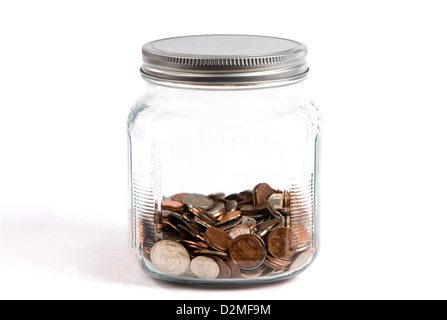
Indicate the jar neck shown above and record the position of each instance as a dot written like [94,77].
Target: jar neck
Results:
[286,87]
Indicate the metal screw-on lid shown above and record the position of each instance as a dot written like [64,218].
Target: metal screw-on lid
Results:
[224,59]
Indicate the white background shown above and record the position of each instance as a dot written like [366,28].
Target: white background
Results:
[69,74]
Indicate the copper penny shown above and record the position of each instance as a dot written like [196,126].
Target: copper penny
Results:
[179,196]
[228,216]
[272,264]
[171,205]
[224,268]
[248,251]
[217,195]
[234,196]
[281,243]
[235,271]
[247,197]
[210,253]
[217,239]
[262,192]
[195,245]
[252,209]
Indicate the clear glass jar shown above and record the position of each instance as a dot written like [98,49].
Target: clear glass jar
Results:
[223,161]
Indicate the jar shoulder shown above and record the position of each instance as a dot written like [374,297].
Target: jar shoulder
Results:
[140,105]
[152,109]
[313,111]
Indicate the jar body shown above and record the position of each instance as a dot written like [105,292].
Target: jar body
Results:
[199,157]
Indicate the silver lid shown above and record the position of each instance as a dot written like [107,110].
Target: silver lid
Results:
[224,59]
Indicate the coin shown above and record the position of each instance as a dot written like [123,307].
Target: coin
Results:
[203,215]
[281,263]
[191,222]
[173,226]
[264,227]
[231,205]
[286,198]
[262,192]
[205,267]
[217,209]
[195,245]
[253,273]
[170,257]
[171,205]
[187,231]
[217,195]
[254,209]
[248,251]
[281,243]
[228,216]
[247,197]
[229,225]
[235,271]
[224,269]
[234,196]
[238,230]
[302,260]
[209,253]
[198,200]
[249,221]
[287,221]
[248,234]
[168,235]
[273,264]
[285,211]
[178,196]
[202,223]
[177,218]
[274,203]
[267,271]
[217,239]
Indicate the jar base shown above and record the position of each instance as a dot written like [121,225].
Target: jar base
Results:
[229,282]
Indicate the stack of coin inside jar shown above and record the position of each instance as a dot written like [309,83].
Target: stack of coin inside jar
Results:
[246,234]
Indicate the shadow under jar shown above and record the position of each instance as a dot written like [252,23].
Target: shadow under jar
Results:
[223,160]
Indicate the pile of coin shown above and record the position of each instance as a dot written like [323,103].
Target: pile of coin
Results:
[246,234]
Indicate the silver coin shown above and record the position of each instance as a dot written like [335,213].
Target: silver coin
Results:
[274,203]
[203,215]
[205,267]
[202,223]
[188,274]
[228,225]
[253,273]
[170,257]
[216,210]
[231,205]
[198,200]
[239,229]
[264,227]
[302,260]
[175,218]
[251,222]
[218,195]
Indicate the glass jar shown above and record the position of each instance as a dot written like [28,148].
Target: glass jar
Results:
[223,160]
